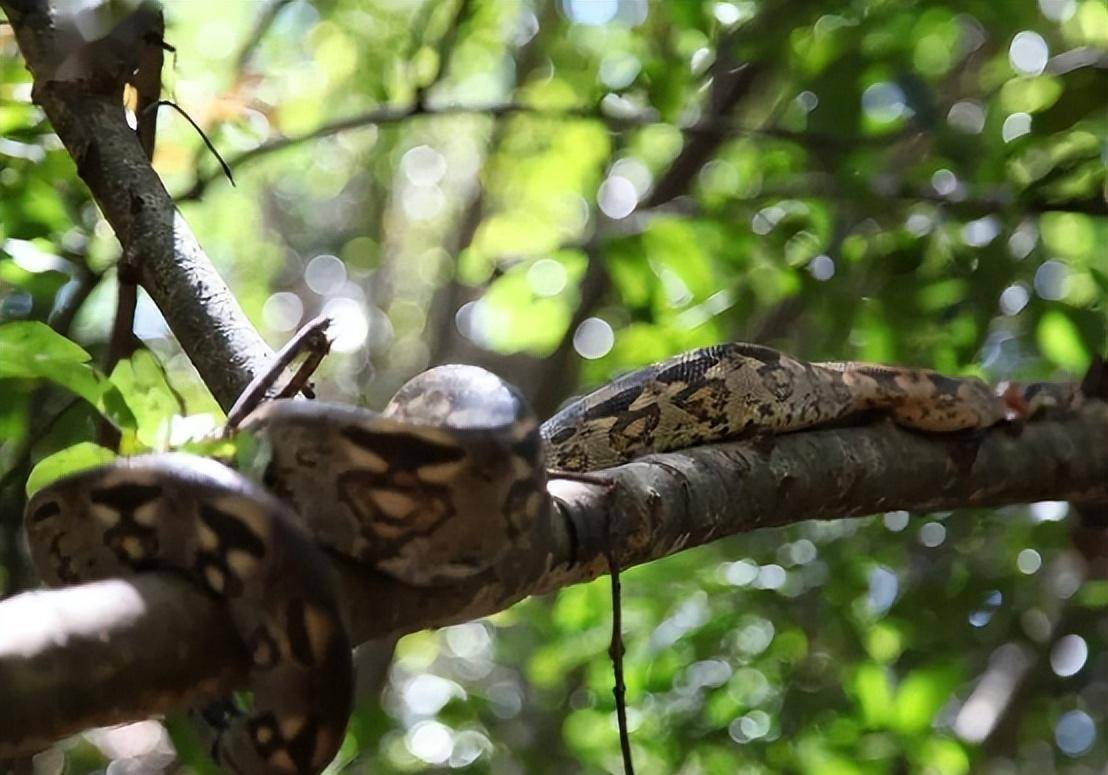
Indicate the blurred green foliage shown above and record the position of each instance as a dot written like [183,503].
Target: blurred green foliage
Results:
[914,182]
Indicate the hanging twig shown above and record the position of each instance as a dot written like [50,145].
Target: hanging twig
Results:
[615,653]
[207,142]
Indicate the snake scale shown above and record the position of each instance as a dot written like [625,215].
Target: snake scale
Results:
[436,487]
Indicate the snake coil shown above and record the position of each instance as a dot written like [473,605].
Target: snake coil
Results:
[436,487]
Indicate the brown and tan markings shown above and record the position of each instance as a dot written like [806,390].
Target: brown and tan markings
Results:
[177,511]
[134,535]
[403,499]
[438,487]
[228,550]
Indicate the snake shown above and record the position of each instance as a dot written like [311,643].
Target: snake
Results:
[435,488]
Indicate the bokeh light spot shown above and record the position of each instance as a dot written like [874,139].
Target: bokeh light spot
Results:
[430,741]
[591,12]
[1016,125]
[1068,655]
[1050,280]
[1028,53]
[944,182]
[885,102]
[1075,732]
[966,116]
[822,267]
[593,338]
[1049,511]
[283,311]
[325,274]
[349,325]
[896,520]
[546,277]
[1013,299]
[1029,561]
[932,534]
[617,197]
[423,166]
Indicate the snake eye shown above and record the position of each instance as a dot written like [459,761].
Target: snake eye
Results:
[43,512]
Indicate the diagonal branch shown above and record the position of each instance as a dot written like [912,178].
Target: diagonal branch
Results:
[87,114]
[262,23]
[660,505]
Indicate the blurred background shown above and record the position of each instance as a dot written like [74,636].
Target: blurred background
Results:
[562,190]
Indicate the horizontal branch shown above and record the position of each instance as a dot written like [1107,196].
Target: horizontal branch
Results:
[714,128]
[659,505]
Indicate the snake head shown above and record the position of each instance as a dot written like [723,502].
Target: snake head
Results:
[1028,400]
[462,397]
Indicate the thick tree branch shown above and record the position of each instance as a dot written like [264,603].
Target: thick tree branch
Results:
[89,118]
[659,506]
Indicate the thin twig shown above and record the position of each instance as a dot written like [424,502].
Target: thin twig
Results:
[261,26]
[447,44]
[122,342]
[615,653]
[615,648]
[207,141]
[391,114]
[147,82]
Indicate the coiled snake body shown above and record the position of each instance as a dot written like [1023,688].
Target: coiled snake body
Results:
[436,487]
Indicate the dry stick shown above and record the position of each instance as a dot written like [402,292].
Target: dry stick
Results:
[87,116]
[312,338]
[122,342]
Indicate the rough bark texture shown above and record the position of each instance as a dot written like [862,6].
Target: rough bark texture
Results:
[89,118]
[658,506]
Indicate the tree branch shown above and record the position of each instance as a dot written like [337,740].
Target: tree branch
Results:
[89,118]
[660,505]
[262,23]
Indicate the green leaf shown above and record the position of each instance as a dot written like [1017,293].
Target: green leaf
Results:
[884,642]
[1030,95]
[920,696]
[143,387]
[26,347]
[875,694]
[942,756]
[1093,594]
[67,461]
[1060,342]
[677,257]
[30,349]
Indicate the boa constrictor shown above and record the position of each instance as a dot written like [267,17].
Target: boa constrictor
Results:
[436,487]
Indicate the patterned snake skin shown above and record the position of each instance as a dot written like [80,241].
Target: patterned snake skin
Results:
[437,487]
